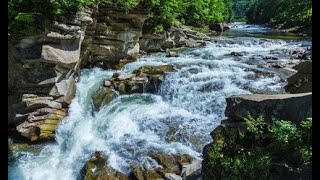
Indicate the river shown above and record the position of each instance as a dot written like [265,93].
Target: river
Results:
[177,119]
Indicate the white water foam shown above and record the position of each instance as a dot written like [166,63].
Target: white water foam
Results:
[178,119]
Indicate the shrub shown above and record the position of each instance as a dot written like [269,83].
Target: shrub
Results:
[285,134]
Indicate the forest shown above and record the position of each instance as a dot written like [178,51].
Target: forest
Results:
[24,16]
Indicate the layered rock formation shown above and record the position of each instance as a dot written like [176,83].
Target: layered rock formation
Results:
[39,116]
[175,37]
[49,66]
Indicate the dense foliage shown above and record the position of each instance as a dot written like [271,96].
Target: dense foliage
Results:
[251,150]
[240,8]
[29,17]
[288,12]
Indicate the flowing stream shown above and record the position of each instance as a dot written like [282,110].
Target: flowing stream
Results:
[177,119]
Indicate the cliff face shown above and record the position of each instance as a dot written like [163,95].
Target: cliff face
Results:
[45,69]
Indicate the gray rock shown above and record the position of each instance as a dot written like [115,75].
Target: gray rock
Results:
[191,42]
[171,53]
[56,35]
[171,176]
[301,81]
[218,27]
[236,54]
[290,107]
[107,83]
[65,55]
[65,27]
[102,97]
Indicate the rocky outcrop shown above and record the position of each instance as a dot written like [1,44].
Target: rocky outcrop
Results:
[293,107]
[96,169]
[49,66]
[218,27]
[43,71]
[39,117]
[145,79]
[115,36]
[301,81]
[235,143]
[175,37]
[173,167]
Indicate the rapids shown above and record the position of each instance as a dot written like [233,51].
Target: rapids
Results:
[177,119]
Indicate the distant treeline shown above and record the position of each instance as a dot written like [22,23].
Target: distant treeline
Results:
[29,17]
[290,13]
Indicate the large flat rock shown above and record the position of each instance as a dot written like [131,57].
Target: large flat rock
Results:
[291,107]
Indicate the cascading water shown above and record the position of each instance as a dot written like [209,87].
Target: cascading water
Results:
[178,119]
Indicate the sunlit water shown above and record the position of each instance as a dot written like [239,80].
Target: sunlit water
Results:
[178,119]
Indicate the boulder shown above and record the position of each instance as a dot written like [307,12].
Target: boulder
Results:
[236,54]
[171,163]
[291,107]
[96,169]
[168,43]
[41,124]
[102,97]
[191,42]
[66,54]
[154,70]
[171,53]
[139,173]
[151,43]
[301,81]
[218,27]
[65,88]
[144,79]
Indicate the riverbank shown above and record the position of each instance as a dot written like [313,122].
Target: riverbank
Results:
[177,119]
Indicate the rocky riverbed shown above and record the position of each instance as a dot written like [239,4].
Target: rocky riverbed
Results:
[152,118]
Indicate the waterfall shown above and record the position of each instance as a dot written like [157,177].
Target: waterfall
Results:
[177,119]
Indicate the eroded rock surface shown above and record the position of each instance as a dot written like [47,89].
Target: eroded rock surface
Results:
[145,79]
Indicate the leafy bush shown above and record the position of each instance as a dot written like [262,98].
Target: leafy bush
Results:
[232,157]
[255,126]
[285,133]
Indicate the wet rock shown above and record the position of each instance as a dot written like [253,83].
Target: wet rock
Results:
[154,70]
[171,176]
[151,43]
[107,83]
[270,57]
[292,107]
[144,79]
[169,43]
[122,76]
[301,81]
[218,27]
[96,169]
[139,173]
[102,97]
[171,53]
[171,163]
[236,54]
[191,43]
